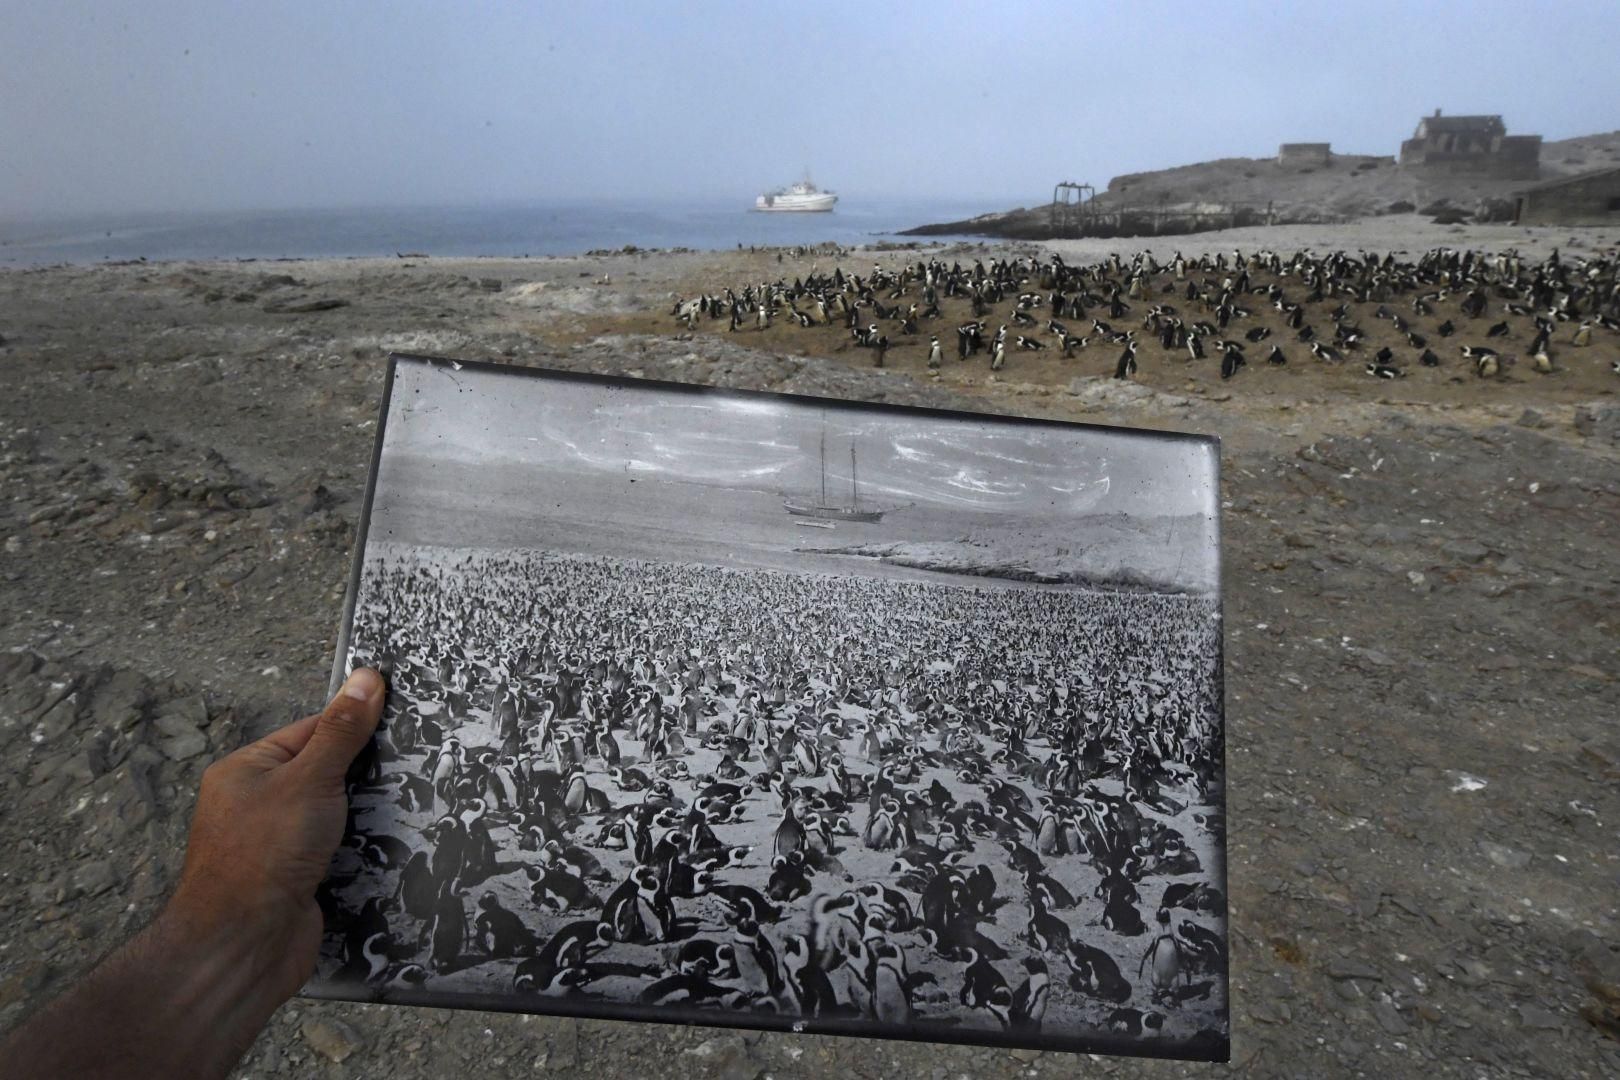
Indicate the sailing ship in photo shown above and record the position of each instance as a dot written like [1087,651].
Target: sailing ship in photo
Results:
[824,513]
[803,197]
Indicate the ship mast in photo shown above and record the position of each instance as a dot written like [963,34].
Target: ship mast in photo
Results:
[824,511]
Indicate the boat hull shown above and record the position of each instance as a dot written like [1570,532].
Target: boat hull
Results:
[834,513]
[795,204]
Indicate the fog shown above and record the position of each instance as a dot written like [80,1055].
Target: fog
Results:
[173,105]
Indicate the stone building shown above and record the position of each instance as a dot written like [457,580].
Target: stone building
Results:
[1591,198]
[1305,154]
[1471,146]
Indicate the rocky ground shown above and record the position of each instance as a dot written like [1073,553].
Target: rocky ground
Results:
[1421,595]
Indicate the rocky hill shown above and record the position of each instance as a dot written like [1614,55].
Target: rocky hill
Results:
[1350,186]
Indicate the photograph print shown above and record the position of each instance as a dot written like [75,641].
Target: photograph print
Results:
[748,709]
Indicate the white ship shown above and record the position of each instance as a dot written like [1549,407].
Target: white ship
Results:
[802,197]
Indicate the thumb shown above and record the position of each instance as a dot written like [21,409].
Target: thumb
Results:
[345,725]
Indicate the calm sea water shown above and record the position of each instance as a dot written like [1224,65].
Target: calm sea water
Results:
[542,228]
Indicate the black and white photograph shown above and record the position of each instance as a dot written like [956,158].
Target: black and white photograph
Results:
[786,713]
[773,711]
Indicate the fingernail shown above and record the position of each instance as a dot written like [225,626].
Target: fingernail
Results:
[360,684]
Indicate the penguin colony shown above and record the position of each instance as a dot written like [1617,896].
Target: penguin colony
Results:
[1465,313]
[938,809]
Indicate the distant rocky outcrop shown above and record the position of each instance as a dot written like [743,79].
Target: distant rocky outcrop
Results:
[1234,192]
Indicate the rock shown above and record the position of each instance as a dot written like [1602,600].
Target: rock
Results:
[1119,393]
[1602,421]
[1468,551]
[1530,418]
[302,307]
[332,1039]
[1298,540]
[1502,855]
[119,701]
[183,745]
[1534,1016]
[1389,1018]
[57,721]
[1346,968]
[490,284]
[315,500]
[1025,1055]
[725,1057]
[94,878]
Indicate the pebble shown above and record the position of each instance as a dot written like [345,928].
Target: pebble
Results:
[183,746]
[332,1039]
[94,878]
[1344,968]
[1389,1018]
[1534,1016]
[1468,551]
[1502,855]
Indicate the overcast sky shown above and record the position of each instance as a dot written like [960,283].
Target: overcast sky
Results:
[198,104]
[765,444]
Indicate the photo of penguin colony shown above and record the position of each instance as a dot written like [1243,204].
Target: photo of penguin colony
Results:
[678,791]
[1447,315]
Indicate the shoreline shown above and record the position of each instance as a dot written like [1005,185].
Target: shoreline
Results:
[1411,234]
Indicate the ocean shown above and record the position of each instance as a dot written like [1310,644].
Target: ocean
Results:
[539,228]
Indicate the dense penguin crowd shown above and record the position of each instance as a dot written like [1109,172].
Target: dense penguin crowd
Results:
[942,811]
[1464,312]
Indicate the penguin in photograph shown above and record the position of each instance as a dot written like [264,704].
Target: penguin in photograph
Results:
[1029,1000]
[1429,359]
[417,890]
[1501,329]
[999,356]
[1095,974]
[1203,948]
[368,961]
[935,356]
[499,932]
[554,887]
[707,957]
[1582,336]
[1029,344]
[789,878]
[561,960]
[887,983]
[446,931]
[758,968]
[1165,954]
[810,994]
[983,987]
[1275,357]
[1046,931]
[744,902]
[1446,329]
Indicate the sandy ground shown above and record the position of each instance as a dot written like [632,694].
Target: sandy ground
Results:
[1420,586]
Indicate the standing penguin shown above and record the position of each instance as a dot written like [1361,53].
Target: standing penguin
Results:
[447,930]
[1126,367]
[1164,953]
[1029,1000]
[999,357]
[934,354]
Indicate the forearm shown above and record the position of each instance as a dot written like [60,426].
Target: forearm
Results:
[180,999]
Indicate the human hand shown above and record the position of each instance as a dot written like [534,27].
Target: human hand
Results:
[188,994]
[268,819]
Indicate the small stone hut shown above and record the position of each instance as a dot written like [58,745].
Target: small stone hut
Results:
[1590,198]
[1305,154]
